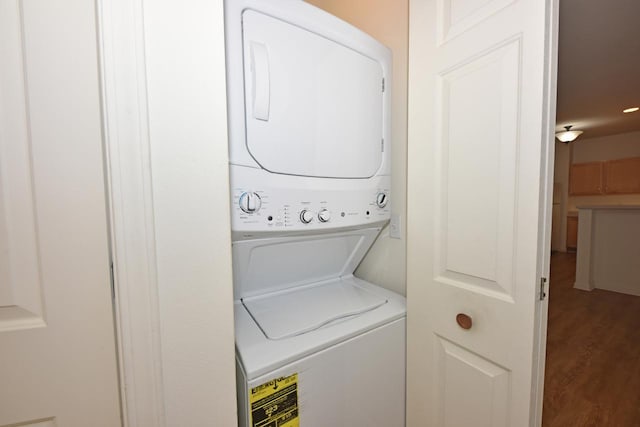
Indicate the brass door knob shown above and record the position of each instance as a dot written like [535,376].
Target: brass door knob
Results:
[464,321]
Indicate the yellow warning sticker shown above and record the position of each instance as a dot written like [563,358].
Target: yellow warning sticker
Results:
[275,403]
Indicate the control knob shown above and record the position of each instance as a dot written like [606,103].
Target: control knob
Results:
[250,202]
[306,216]
[381,200]
[324,215]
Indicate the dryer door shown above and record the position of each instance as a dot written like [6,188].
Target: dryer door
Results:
[313,107]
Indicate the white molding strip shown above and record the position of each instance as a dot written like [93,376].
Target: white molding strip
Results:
[122,55]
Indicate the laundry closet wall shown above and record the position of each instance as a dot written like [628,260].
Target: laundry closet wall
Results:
[164,84]
[388,22]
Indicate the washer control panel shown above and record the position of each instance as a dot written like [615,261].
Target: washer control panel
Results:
[262,209]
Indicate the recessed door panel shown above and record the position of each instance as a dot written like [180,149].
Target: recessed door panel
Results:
[313,107]
[479,168]
[57,359]
[472,382]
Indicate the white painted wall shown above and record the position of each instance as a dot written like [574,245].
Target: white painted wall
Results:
[590,150]
[606,148]
[388,22]
[601,149]
[616,233]
[608,249]
[561,178]
[185,66]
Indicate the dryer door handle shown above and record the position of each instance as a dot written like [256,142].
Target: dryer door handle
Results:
[261,91]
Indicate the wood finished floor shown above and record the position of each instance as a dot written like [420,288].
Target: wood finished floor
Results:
[593,354]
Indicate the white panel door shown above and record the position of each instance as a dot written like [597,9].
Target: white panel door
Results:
[480,118]
[57,347]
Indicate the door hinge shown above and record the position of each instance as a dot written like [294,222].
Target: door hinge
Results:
[112,280]
[382,145]
[542,295]
[383,84]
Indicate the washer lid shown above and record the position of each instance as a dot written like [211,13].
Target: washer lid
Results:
[260,355]
[289,313]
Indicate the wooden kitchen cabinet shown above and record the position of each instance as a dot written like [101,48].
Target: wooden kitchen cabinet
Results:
[572,233]
[622,176]
[586,179]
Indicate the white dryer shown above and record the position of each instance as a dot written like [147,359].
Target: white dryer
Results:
[309,132]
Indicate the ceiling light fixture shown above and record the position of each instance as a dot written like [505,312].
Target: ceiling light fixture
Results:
[568,135]
[631,110]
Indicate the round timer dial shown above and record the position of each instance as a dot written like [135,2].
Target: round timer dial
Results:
[306,216]
[250,202]
[381,200]
[324,215]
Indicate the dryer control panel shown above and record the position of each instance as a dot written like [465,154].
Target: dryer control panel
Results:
[300,207]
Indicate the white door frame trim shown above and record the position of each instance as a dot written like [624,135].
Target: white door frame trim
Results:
[129,187]
[130,197]
[546,206]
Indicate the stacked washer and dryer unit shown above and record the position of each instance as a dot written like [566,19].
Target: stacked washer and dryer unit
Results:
[309,131]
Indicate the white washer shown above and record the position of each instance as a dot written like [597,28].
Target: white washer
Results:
[342,336]
[309,131]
